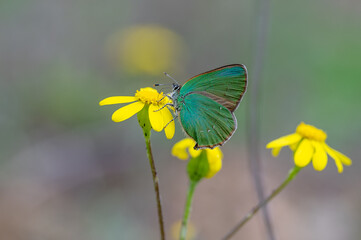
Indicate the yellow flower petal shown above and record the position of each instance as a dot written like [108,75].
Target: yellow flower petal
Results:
[276,151]
[303,154]
[335,155]
[319,160]
[116,100]
[179,149]
[194,153]
[293,146]
[168,117]
[284,141]
[343,158]
[214,157]
[126,112]
[156,118]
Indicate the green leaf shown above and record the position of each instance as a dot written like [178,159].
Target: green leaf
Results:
[143,120]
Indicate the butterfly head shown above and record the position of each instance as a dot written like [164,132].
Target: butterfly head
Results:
[176,87]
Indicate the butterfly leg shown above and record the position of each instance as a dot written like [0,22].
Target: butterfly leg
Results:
[162,98]
[165,95]
[165,105]
[171,121]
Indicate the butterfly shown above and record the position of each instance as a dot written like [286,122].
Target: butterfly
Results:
[206,103]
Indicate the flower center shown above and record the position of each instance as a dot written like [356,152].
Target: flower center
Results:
[311,132]
[151,96]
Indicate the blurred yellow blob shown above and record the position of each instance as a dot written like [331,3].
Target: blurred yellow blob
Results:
[175,230]
[147,49]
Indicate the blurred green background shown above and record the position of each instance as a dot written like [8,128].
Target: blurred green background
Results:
[68,172]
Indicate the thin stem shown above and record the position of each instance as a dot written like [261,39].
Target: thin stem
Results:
[156,187]
[253,115]
[187,210]
[291,175]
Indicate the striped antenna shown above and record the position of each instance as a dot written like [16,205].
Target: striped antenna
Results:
[162,84]
[171,77]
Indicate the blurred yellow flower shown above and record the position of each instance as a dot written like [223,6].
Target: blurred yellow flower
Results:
[309,143]
[214,156]
[148,97]
[176,227]
[147,49]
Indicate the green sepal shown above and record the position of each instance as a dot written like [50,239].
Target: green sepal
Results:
[198,167]
[143,120]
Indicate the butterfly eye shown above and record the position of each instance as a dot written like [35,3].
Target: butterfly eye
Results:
[176,86]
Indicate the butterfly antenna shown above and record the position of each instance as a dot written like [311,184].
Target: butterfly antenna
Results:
[161,84]
[171,77]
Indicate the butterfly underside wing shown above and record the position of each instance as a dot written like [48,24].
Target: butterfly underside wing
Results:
[206,104]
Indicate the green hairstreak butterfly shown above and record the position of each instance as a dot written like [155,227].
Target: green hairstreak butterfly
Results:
[206,103]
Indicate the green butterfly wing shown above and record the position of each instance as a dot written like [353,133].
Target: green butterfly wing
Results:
[225,85]
[206,121]
[207,102]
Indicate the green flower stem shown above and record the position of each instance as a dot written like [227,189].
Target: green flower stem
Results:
[291,175]
[143,120]
[156,187]
[187,209]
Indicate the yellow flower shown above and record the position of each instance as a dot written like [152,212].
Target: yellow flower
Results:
[308,143]
[176,227]
[214,156]
[147,49]
[145,97]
